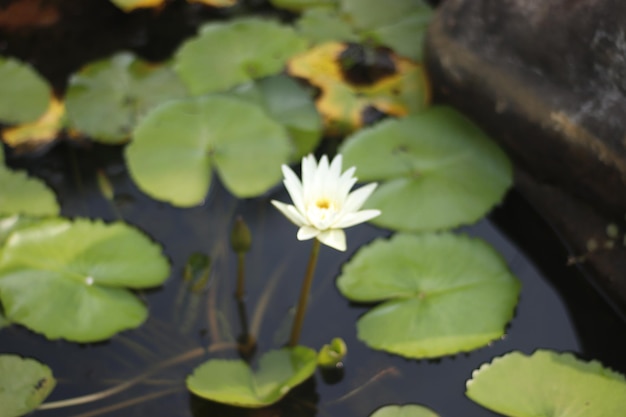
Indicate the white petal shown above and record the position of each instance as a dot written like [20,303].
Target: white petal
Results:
[290,212]
[344,185]
[309,166]
[357,198]
[335,238]
[294,187]
[307,232]
[320,180]
[351,219]
[334,173]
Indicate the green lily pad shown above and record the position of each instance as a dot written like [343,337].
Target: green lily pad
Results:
[301,5]
[548,384]
[107,98]
[441,294]
[4,322]
[438,170]
[24,384]
[21,194]
[398,24]
[233,382]
[323,24]
[224,55]
[9,224]
[408,410]
[176,147]
[289,104]
[67,279]
[24,94]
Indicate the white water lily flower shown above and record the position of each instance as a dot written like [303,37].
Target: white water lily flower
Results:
[323,204]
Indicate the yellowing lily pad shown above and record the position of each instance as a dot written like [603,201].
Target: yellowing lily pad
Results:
[358,85]
[438,170]
[24,94]
[21,194]
[233,382]
[40,133]
[177,146]
[106,99]
[224,55]
[69,279]
[24,384]
[548,384]
[440,294]
[408,410]
[289,104]
[130,5]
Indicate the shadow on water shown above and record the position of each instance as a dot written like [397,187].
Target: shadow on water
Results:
[141,372]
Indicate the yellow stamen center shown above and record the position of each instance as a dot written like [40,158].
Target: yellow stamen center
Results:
[323,204]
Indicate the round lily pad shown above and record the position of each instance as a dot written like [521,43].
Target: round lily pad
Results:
[176,147]
[24,384]
[67,279]
[233,382]
[289,104]
[21,194]
[441,294]
[224,55]
[408,410]
[438,170]
[24,94]
[324,24]
[41,133]
[107,98]
[548,384]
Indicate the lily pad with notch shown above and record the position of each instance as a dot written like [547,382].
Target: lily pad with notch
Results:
[291,105]
[70,279]
[224,55]
[440,294]
[24,385]
[233,382]
[407,410]
[177,146]
[438,170]
[24,94]
[548,384]
[106,99]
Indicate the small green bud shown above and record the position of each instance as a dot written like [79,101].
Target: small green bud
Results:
[331,355]
[240,237]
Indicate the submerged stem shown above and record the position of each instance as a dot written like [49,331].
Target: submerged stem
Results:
[304,295]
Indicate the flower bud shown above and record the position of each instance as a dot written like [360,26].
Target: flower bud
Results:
[240,237]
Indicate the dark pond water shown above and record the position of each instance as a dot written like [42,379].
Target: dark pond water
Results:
[141,372]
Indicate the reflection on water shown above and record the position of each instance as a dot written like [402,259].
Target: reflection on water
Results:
[141,372]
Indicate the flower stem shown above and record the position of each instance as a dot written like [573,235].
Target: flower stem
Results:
[304,295]
[241,282]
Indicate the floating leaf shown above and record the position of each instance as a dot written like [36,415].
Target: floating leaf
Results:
[224,55]
[398,24]
[65,279]
[40,133]
[300,5]
[130,5]
[107,98]
[10,224]
[24,384]
[21,194]
[24,95]
[548,384]
[289,104]
[176,147]
[442,294]
[233,382]
[215,3]
[323,24]
[438,170]
[408,410]
[360,85]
